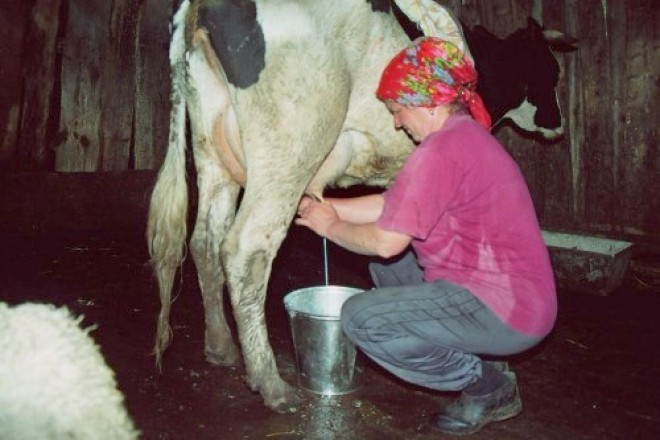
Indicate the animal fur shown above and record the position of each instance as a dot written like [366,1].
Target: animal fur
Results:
[54,382]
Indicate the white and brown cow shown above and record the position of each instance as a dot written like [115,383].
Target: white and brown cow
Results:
[280,98]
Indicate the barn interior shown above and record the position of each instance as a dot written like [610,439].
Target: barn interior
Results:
[76,185]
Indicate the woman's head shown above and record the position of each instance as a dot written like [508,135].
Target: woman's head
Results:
[432,73]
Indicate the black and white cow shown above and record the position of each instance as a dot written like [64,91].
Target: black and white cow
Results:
[280,98]
[517,75]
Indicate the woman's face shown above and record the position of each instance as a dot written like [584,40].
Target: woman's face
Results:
[418,122]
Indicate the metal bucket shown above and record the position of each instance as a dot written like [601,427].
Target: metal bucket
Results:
[327,361]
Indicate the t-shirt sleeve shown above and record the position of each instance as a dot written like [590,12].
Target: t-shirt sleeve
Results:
[421,193]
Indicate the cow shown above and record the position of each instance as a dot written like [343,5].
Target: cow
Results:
[517,75]
[280,100]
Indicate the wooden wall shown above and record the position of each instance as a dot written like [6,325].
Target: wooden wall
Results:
[86,86]
[95,78]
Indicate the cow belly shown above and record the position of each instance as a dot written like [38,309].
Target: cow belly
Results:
[225,129]
[212,105]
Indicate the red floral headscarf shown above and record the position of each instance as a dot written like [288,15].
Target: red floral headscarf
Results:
[429,73]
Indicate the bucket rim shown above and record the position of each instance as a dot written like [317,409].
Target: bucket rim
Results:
[333,289]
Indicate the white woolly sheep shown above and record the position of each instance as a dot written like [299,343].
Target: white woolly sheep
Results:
[54,382]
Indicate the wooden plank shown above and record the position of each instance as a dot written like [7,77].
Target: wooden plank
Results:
[40,60]
[152,101]
[525,152]
[118,87]
[555,162]
[12,25]
[616,39]
[557,194]
[84,49]
[639,153]
[576,112]
[596,80]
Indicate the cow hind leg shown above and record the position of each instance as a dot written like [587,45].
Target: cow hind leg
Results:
[248,253]
[218,194]
[217,201]
[267,208]
[287,140]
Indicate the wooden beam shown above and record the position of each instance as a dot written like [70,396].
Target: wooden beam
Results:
[83,63]
[37,120]
[152,84]
[575,114]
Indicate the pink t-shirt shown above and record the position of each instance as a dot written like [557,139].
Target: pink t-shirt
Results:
[466,204]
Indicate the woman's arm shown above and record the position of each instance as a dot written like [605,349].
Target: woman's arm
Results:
[363,238]
[368,239]
[363,209]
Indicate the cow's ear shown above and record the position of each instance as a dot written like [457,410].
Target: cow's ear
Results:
[534,32]
[556,39]
[533,26]
[559,41]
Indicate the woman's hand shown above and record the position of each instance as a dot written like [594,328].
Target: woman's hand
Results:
[364,237]
[317,216]
[304,203]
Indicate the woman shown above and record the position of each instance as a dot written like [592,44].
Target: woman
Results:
[478,281]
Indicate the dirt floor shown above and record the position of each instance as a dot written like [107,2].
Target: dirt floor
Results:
[595,377]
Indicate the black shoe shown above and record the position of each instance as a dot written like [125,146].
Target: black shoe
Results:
[469,413]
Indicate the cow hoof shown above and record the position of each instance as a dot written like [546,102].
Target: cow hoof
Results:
[287,400]
[224,360]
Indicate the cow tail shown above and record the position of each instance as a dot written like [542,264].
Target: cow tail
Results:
[168,209]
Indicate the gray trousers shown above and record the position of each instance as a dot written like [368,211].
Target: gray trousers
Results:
[428,334]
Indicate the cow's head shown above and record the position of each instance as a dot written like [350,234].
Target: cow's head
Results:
[517,75]
[534,67]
